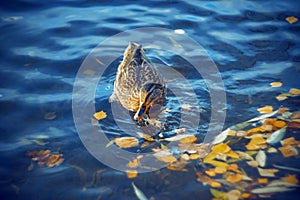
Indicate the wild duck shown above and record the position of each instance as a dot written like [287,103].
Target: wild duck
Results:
[138,86]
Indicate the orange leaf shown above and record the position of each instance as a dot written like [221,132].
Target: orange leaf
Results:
[290,179]
[194,156]
[262,180]
[220,170]
[210,172]
[256,143]
[233,167]
[245,195]
[288,151]
[295,91]
[127,142]
[100,115]
[215,184]
[234,178]
[279,123]
[291,19]
[217,163]
[265,109]
[232,154]
[131,173]
[276,84]
[134,163]
[289,141]
[282,110]
[256,130]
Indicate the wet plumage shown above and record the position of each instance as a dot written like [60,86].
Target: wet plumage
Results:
[138,85]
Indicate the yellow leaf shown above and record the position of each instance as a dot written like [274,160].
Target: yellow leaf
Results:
[127,142]
[276,84]
[288,151]
[265,109]
[279,123]
[188,140]
[185,156]
[210,172]
[167,159]
[256,143]
[232,154]
[215,184]
[131,173]
[100,115]
[220,170]
[134,163]
[194,156]
[233,195]
[221,148]
[261,158]
[262,180]
[290,179]
[212,155]
[245,195]
[205,179]
[272,150]
[234,178]
[295,91]
[217,163]
[291,19]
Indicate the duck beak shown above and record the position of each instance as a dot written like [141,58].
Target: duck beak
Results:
[140,113]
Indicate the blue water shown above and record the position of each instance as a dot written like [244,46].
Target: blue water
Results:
[43,44]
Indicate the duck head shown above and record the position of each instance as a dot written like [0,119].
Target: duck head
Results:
[152,98]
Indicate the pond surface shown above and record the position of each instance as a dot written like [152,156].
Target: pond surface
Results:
[43,45]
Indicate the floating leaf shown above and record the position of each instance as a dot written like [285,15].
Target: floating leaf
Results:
[99,61]
[185,156]
[267,172]
[233,167]
[188,140]
[145,136]
[256,130]
[262,181]
[218,194]
[179,31]
[100,115]
[131,173]
[245,195]
[294,91]
[210,172]
[265,109]
[39,142]
[281,97]
[256,143]
[234,178]
[261,158]
[206,180]
[221,156]
[221,148]
[220,170]
[221,137]
[194,156]
[288,151]
[179,130]
[263,116]
[291,19]
[139,194]
[287,168]
[233,195]
[272,150]
[217,163]
[276,84]
[244,156]
[276,136]
[289,142]
[267,190]
[290,179]
[295,115]
[134,163]
[253,163]
[294,124]
[127,142]
[165,156]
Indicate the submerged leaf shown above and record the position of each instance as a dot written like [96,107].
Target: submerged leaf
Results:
[290,179]
[218,194]
[234,178]
[291,19]
[139,194]
[267,190]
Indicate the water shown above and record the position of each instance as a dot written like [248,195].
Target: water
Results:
[44,43]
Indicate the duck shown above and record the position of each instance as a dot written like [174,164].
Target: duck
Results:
[138,86]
